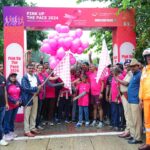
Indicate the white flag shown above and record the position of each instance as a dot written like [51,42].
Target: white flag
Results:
[63,71]
[104,61]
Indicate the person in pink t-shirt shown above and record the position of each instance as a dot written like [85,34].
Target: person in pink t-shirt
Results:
[14,101]
[83,89]
[116,105]
[47,101]
[96,96]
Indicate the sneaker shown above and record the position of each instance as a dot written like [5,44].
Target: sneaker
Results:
[93,124]
[87,124]
[100,125]
[58,122]
[3,142]
[107,122]
[51,123]
[13,134]
[40,128]
[8,137]
[67,121]
[78,124]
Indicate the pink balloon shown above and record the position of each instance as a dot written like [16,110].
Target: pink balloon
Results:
[73,49]
[85,44]
[52,58]
[79,33]
[56,37]
[68,42]
[72,60]
[58,28]
[80,50]
[64,29]
[76,42]
[53,43]
[63,35]
[60,53]
[45,48]
[52,62]
[61,42]
[52,51]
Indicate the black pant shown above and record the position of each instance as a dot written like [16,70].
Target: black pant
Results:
[48,109]
[64,106]
[38,118]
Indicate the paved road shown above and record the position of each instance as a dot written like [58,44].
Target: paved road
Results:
[73,143]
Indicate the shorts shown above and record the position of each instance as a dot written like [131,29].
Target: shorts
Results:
[95,99]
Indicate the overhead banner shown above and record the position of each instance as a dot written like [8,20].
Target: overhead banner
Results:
[39,17]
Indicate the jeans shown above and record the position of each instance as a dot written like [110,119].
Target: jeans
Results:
[84,109]
[38,118]
[116,115]
[2,114]
[9,120]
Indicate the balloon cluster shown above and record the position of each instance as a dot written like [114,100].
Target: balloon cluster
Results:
[61,41]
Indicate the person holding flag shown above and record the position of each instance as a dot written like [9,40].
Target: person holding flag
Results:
[96,96]
[30,90]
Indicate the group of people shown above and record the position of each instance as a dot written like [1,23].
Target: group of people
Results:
[117,99]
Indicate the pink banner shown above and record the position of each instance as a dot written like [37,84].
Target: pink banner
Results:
[38,17]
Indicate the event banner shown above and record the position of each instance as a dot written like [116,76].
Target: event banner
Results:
[42,17]
[14,50]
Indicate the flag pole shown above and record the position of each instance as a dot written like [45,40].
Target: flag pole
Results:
[43,83]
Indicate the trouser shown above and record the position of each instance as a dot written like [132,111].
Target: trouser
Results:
[48,109]
[108,110]
[9,120]
[64,106]
[2,114]
[135,121]
[116,115]
[30,113]
[84,109]
[74,110]
[51,105]
[126,112]
[38,118]
[147,119]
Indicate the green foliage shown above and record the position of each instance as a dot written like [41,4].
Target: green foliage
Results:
[33,37]
[98,35]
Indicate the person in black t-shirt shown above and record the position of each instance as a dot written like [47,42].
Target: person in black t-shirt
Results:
[3,104]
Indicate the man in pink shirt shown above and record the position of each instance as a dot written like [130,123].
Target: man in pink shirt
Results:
[96,96]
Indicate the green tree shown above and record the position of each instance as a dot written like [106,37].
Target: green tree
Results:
[32,36]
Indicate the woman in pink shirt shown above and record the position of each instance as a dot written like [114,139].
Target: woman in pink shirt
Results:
[14,101]
[83,89]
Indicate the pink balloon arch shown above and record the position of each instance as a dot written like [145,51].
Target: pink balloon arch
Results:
[61,41]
